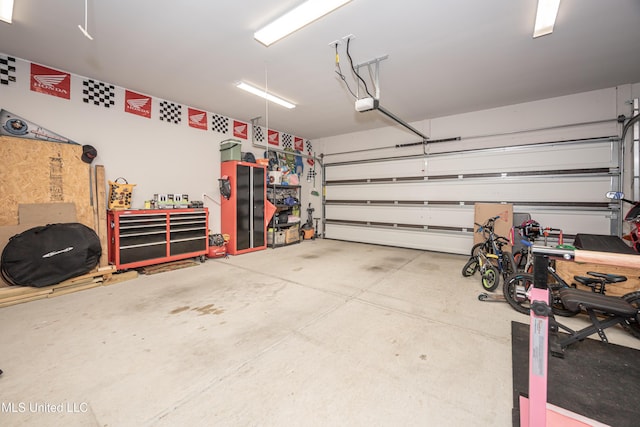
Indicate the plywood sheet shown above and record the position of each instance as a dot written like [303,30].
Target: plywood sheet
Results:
[46,213]
[42,172]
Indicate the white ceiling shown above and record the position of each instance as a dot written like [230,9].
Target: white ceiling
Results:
[445,57]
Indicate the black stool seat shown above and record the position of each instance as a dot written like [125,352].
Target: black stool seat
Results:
[610,278]
[576,299]
[587,281]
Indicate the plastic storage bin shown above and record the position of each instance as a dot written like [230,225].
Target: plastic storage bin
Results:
[230,150]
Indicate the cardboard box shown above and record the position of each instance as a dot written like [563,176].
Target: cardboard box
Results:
[292,235]
[484,211]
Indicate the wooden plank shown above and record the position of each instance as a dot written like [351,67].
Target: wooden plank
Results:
[102,273]
[102,276]
[12,291]
[120,277]
[71,289]
[100,201]
[20,301]
[19,296]
[607,258]
[167,266]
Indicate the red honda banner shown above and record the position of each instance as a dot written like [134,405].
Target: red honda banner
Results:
[51,82]
[240,129]
[138,104]
[274,137]
[197,118]
[298,144]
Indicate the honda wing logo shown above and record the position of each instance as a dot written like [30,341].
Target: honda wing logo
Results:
[137,104]
[197,118]
[49,81]
[240,130]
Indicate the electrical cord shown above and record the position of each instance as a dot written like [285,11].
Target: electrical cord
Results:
[339,73]
[355,72]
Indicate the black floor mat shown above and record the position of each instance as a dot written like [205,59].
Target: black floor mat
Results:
[597,380]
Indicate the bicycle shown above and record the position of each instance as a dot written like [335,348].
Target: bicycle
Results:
[482,253]
[528,232]
[516,290]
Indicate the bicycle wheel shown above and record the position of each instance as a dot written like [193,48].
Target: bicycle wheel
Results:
[508,265]
[478,247]
[490,278]
[633,325]
[470,267]
[520,260]
[515,292]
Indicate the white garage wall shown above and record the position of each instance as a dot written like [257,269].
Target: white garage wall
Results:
[157,156]
[581,116]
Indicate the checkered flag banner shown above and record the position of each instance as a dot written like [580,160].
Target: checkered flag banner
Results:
[311,174]
[309,146]
[287,140]
[219,123]
[7,70]
[258,134]
[98,93]
[170,112]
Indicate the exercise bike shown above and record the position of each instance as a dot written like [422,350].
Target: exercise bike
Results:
[516,289]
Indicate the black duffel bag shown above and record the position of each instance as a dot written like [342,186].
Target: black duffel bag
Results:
[46,255]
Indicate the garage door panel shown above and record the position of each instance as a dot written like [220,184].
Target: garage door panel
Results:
[420,215]
[589,156]
[426,202]
[456,243]
[553,189]
[572,222]
[595,155]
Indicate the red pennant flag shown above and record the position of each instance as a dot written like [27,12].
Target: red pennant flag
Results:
[274,137]
[298,144]
[51,82]
[240,129]
[197,118]
[138,104]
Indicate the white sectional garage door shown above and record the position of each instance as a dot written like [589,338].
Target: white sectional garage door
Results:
[427,202]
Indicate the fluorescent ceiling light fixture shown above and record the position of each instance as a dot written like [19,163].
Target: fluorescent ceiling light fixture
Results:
[297,18]
[6,11]
[264,94]
[545,17]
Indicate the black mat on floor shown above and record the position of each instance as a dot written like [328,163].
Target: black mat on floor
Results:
[597,380]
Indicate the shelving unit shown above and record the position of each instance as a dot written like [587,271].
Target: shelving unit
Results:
[286,199]
[138,238]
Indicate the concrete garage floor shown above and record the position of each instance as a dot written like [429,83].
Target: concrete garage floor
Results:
[324,333]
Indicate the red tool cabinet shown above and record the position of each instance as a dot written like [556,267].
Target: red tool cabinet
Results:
[143,237]
[243,214]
